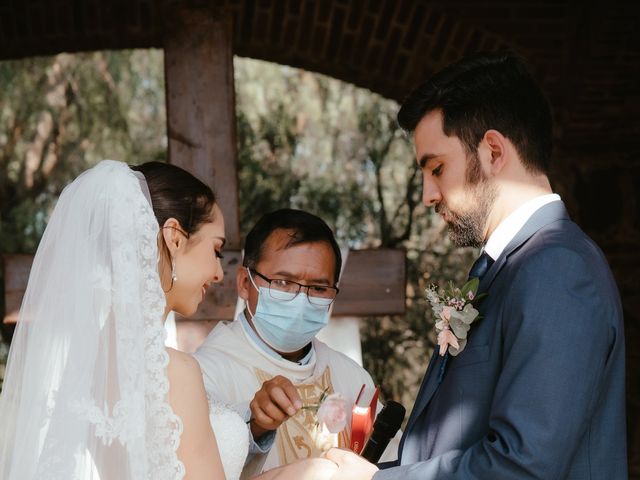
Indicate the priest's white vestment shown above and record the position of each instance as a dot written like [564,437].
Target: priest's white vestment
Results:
[234,367]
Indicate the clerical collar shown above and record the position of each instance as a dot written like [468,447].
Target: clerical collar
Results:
[510,226]
[266,348]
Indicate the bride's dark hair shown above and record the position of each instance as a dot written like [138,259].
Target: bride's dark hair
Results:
[175,193]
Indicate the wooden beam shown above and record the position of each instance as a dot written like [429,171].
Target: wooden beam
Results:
[201,103]
[16,276]
[373,283]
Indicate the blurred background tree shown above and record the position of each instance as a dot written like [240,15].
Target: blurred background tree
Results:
[304,141]
[60,115]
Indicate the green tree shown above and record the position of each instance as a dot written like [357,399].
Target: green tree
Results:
[58,116]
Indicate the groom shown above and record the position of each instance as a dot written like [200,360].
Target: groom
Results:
[538,392]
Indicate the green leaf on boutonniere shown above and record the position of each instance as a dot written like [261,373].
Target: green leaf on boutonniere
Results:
[458,326]
[471,286]
[479,298]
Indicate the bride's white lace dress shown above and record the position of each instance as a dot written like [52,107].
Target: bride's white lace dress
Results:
[232,436]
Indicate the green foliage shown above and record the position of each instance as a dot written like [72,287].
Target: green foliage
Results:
[60,115]
[290,154]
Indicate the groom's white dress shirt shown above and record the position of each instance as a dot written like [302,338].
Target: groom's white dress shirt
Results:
[510,226]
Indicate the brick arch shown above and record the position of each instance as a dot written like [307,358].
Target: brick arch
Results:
[386,46]
[377,45]
[587,57]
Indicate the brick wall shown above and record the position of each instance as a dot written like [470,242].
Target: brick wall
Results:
[601,191]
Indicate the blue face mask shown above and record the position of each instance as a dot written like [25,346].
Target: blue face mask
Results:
[287,326]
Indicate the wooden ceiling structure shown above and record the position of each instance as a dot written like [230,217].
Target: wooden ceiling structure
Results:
[587,54]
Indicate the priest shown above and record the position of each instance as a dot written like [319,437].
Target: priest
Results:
[268,364]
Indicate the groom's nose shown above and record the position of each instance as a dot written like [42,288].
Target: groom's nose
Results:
[430,192]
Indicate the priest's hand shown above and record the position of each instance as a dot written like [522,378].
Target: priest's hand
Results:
[275,402]
[350,465]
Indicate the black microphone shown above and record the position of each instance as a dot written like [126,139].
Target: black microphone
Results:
[385,428]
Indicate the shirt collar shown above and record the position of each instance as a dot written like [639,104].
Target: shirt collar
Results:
[510,226]
[266,348]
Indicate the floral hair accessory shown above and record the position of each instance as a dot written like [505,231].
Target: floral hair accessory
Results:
[454,311]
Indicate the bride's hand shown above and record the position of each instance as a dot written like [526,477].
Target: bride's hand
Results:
[310,469]
[319,469]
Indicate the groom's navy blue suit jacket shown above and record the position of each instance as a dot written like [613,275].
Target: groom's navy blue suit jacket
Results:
[538,392]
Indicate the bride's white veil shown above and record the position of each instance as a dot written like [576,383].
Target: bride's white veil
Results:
[85,393]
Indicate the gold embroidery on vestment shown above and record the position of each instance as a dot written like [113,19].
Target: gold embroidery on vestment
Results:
[299,437]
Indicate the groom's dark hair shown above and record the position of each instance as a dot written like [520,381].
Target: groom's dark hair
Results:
[304,227]
[482,92]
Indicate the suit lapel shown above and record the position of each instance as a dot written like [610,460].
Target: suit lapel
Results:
[428,387]
[547,214]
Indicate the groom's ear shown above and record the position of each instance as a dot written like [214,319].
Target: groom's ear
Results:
[495,146]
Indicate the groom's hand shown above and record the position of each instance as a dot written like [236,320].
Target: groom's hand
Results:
[350,465]
[275,402]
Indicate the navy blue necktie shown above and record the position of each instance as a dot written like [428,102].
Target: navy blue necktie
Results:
[481,266]
[478,270]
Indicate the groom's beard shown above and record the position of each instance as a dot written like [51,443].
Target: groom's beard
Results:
[466,229]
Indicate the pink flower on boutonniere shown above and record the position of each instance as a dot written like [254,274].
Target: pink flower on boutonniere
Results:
[446,338]
[454,311]
[330,411]
[333,413]
[445,314]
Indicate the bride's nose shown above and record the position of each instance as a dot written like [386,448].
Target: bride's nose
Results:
[219,274]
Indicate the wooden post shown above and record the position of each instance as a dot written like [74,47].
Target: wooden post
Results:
[198,58]
[16,275]
[201,103]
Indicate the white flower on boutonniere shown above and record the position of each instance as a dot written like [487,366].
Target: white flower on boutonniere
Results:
[330,411]
[454,311]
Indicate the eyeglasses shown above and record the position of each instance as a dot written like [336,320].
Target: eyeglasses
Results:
[286,290]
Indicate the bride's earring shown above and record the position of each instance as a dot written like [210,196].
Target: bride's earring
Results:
[174,275]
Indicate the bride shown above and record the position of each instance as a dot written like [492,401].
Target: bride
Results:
[91,392]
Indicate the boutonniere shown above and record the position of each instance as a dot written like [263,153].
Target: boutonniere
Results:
[454,311]
[330,411]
